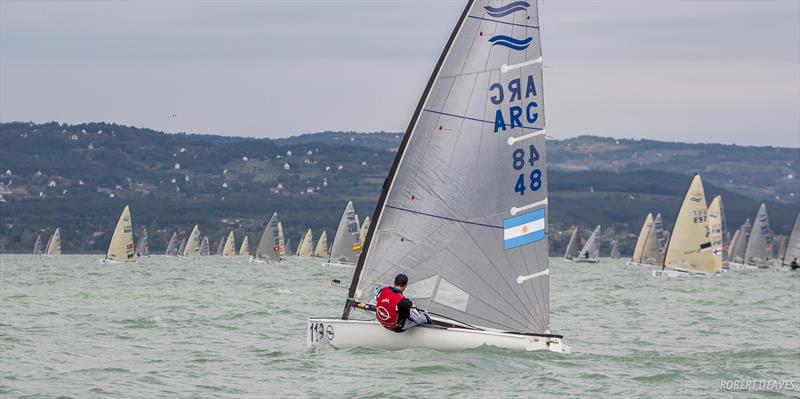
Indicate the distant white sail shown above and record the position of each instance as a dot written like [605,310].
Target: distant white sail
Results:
[143,246]
[759,245]
[591,250]
[230,245]
[638,250]
[172,249]
[654,244]
[54,245]
[792,253]
[737,253]
[245,248]
[321,250]
[204,250]
[220,247]
[192,248]
[281,242]
[715,221]
[614,253]
[306,245]
[732,246]
[573,247]
[121,247]
[689,248]
[182,247]
[38,248]
[269,246]
[346,243]
[289,246]
[363,230]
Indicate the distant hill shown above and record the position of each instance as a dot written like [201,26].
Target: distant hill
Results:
[79,176]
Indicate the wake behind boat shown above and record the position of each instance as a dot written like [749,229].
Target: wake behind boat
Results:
[469,230]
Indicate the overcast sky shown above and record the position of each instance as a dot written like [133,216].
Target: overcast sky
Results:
[697,71]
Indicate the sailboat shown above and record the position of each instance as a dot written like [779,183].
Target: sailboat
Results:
[321,250]
[614,253]
[220,246]
[716,223]
[590,253]
[37,246]
[204,249]
[362,231]
[288,247]
[759,244]
[192,248]
[230,245]
[281,242]
[244,250]
[306,245]
[689,249]
[269,246]
[655,243]
[731,248]
[54,244]
[172,247]
[739,246]
[638,250]
[471,240]
[346,243]
[791,257]
[181,247]
[121,247]
[573,247]
[143,246]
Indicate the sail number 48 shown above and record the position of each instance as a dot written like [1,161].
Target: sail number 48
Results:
[532,180]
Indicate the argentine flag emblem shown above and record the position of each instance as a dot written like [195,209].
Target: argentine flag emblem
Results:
[523,229]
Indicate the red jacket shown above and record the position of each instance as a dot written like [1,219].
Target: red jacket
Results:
[386,307]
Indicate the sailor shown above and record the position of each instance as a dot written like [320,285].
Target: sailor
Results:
[794,264]
[396,312]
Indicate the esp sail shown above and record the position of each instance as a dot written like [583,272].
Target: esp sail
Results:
[792,253]
[346,243]
[121,247]
[321,250]
[638,250]
[464,210]
[689,248]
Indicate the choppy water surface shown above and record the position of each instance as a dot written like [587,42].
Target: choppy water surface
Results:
[168,327]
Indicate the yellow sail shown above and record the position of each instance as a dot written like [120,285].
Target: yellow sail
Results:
[715,226]
[639,248]
[689,248]
[321,250]
[193,243]
[54,245]
[364,228]
[121,247]
[230,245]
[307,245]
[245,249]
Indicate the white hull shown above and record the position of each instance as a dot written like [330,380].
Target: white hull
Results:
[745,266]
[343,334]
[638,264]
[337,264]
[259,260]
[587,260]
[679,273]
[107,261]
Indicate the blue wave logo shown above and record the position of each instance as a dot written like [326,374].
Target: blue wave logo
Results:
[510,42]
[509,8]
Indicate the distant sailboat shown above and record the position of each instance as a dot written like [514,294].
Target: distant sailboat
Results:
[321,250]
[758,251]
[281,242]
[268,249]
[38,248]
[182,247]
[204,250]
[143,246]
[689,249]
[346,243]
[220,247]
[362,232]
[289,246]
[121,247]
[731,248]
[54,244]
[192,248]
[573,247]
[463,212]
[306,245]
[590,253]
[740,245]
[716,222]
[791,257]
[230,245]
[614,253]
[637,259]
[172,247]
[654,244]
[244,250]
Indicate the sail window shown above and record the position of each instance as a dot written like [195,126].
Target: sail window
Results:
[421,289]
[452,296]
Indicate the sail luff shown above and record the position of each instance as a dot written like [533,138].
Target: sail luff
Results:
[121,246]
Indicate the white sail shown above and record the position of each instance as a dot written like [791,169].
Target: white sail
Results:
[230,245]
[732,246]
[54,245]
[244,250]
[192,248]
[715,223]
[792,253]
[220,247]
[591,250]
[306,245]
[638,250]
[281,242]
[38,248]
[689,249]
[362,232]
[759,245]
[463,212]
[121,247]
[737,253]
[288,247]
[269,246]
[143,246]
[346,245]
[172,247]
[654,244]
[321,250]
[204,250]
[614,253]
[181,247]
[573,247]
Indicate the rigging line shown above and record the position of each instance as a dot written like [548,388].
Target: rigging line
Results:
[444,217]
[481,120]
[504,22]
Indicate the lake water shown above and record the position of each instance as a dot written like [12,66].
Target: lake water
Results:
[214,327]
